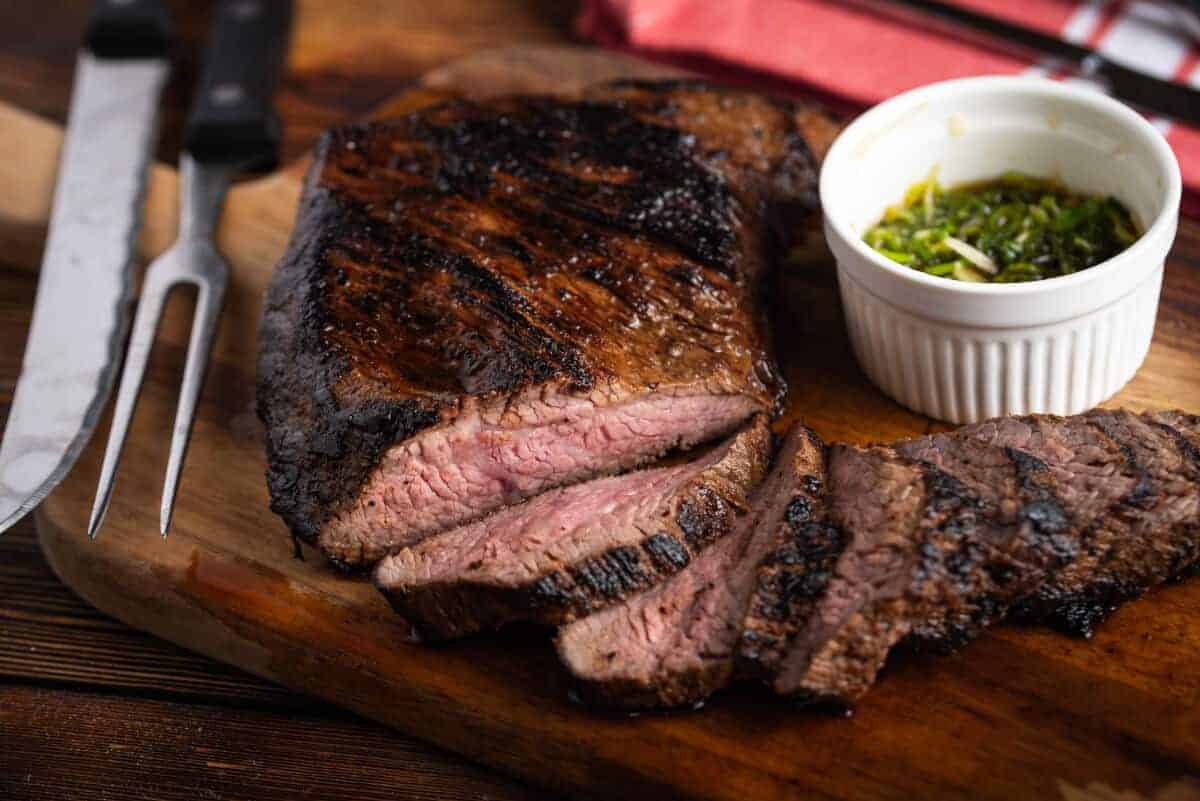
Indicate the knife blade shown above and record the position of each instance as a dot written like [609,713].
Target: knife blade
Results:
[1168,98]
[81,311]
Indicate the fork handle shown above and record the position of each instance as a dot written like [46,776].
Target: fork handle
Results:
[232,119]
[128,29]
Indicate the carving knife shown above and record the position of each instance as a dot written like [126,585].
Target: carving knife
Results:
[81,312]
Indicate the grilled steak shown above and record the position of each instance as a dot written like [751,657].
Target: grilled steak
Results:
[946,533]
[482,301]
[1149,529]
[1023,493]
[795,564]
[574,550]
[674,644]
[879,500]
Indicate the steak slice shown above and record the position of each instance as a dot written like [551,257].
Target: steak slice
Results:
[801,552]
[484,300]
[878,499]
[1041,511]
[675,643]
[572,551]
[993,524]
[1040,486]
[1149,533]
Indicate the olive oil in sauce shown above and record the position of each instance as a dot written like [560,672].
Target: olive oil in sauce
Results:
[1006,230]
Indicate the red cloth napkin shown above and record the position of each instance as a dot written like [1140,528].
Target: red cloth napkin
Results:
[854,59]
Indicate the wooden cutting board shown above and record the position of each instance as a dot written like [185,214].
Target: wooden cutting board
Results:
[1021,713]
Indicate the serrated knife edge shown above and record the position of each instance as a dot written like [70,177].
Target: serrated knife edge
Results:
[81,313]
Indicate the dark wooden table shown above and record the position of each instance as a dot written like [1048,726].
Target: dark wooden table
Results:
[92,709]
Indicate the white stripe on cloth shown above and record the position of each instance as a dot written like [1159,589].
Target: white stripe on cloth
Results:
[1079,28]
[1146,37]
[1083,21]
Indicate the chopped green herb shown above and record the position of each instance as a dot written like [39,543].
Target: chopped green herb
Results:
[1013,228]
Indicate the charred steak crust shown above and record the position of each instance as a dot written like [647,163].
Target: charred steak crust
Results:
[1054,519]
[1148,533]
[981,560]
[703,515]
[991,525]
[675,643]
[877,497]
[995,525]
[694,516]
[904,592]
[1110,530]
[470,252]
[317,447]
[1036,482]
[793,574]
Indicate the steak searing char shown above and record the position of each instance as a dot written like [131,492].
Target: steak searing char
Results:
[925,541]
[675,644]
[485,300]
[1056,519]
[1150,532]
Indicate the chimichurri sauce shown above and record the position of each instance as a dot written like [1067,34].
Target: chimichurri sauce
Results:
[1013,228]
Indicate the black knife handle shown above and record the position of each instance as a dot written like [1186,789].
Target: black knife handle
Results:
[128,29]
[232,118]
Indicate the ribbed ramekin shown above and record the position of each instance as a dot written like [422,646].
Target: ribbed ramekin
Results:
[964,352]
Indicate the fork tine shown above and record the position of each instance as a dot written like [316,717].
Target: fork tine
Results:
[210,297]
[145,324]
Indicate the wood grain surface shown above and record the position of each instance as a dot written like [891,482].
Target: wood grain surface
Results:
[90,708]
[1020,714]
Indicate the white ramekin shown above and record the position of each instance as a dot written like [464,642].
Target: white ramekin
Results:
[965,352]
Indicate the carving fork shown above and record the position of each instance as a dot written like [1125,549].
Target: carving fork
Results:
[231,127]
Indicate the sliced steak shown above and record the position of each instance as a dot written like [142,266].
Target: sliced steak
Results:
[801,547]
[878,499]
[675,644]
[1040,487]
[1042,512]
[484,300]
[571,551]
[1147,528]
[993,524]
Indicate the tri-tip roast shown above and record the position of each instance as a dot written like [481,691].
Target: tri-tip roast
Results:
[484,300]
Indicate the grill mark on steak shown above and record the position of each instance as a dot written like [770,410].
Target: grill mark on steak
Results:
[907,593]
[675,643]
[1150,531]
[993,526]
[1057,601]
[1062,517]
[503,259]
[878,498]
[1117,428]
[694,215]
[1175,424]
[994,559]
[793,574]
[576,550]
[1036,525]
[667,553]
